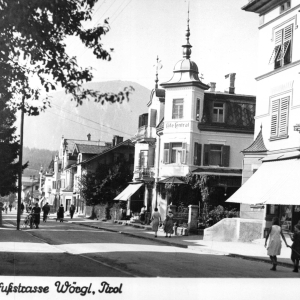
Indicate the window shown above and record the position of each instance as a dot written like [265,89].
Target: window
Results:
[54,184]
[197,109]
[197,154]
[285,6]
[279,117]
[216,155]
[177,109]
[218,112]
[282,52]
[144,158]
[175,153]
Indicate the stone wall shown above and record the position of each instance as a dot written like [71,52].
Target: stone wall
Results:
[250,230]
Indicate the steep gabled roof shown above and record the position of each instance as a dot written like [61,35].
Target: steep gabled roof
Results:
[89,149]
[258,145]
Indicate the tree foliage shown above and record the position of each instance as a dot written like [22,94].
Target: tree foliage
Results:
[105,184]
[32,45]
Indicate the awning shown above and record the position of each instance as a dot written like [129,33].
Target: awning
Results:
[276,182]
[129,191]
[218,171]
[172,180]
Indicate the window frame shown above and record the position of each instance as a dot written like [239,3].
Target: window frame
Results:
[170,152]
[197,109]
[284,6]
[218,113]
[177,109]
[225,155]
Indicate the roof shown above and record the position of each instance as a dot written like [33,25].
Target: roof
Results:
[229,96]
[258,145]
[89,149]
[261,6]
[69,143]
[125,143]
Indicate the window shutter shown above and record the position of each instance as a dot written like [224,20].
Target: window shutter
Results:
[184,153]
[283,116]
[225,156]
[153,113]
[140,160]
[206,155]
[199,154]
[140,120]
[278,43]
[167,153]
[274,117]
[196,154]
[151,156]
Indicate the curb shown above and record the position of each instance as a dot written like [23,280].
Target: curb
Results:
[136,236]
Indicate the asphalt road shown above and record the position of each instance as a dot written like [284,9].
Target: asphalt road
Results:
[65,249]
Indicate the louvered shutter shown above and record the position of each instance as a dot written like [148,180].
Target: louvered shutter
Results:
[151,155]
[206,155]
[167,153]
[287,38]
[184,153]
[274,117]
[196,154]
[278,44]
[283,116]
[225,156]
[140,120]
[153,113]
[199,154]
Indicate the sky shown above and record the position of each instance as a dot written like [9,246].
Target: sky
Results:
[223,36]
[224,40]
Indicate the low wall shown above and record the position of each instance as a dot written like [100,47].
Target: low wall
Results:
[234,229]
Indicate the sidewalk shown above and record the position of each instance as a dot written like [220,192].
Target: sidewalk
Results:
[252,251]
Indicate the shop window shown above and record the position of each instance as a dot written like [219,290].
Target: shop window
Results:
[177,112]
[216,155]
[197,154]
[282,52]
[285,6]
[197,109]
[175,153]
[143,158]
[279,118]
[218,112]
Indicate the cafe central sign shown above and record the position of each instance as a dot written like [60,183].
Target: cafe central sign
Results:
[177,125]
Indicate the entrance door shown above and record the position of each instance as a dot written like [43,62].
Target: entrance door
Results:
[68,203]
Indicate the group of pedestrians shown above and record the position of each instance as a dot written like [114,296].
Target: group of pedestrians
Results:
[168,224]
[274,246]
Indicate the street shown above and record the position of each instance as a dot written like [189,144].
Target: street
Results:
[66,249]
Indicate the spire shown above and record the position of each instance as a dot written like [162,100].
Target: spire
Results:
[187,47]
[158,67]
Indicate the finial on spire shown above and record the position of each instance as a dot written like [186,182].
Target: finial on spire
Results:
[158,67]
[187,47]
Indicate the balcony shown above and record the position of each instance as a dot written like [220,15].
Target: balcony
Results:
[144,173]
[145,134]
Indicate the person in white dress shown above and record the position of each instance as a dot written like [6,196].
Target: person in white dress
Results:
[274,246]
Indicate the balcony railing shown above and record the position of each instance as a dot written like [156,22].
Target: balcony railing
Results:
[144,172]
[145,134]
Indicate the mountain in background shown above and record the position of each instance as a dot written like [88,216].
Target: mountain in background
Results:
[37,158]
[66,119]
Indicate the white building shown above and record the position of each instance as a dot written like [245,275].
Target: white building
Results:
[274,155]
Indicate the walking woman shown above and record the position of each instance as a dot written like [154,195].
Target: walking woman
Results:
[168,228]
[295,256]
[156,218]
[274,246]
[60,213]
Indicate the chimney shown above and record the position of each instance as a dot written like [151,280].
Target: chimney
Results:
[231,77]
[212,86]
[117,140]
[89,137]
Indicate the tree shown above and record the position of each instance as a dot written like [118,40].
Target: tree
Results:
[9,149]
[32,35]
[105,184]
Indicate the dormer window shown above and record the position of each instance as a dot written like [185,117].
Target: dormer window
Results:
[218,112]
[177,112]
[285,6]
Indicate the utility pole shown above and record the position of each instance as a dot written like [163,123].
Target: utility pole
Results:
[20,166]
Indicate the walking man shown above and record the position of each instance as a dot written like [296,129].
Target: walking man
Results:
[46,210]
[72,210]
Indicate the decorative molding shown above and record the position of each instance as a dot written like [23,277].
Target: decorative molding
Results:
[280,16]
[284,23]
[282,88]
[291,65]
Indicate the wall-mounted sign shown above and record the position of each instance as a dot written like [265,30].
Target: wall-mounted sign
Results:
[177,125]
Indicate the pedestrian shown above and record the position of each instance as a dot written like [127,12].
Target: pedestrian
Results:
[5,208]
[295,255]
[22,207]
[36,211]
[72,210]
[46,210]
[168,224]
[142,214]
[156,219]
[10,207]
[60,213]
[274,246]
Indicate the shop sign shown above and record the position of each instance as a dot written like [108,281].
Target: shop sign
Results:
[177,125]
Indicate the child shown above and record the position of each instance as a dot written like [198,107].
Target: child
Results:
[295,256]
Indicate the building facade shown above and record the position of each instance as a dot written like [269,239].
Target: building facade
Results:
[271,162]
